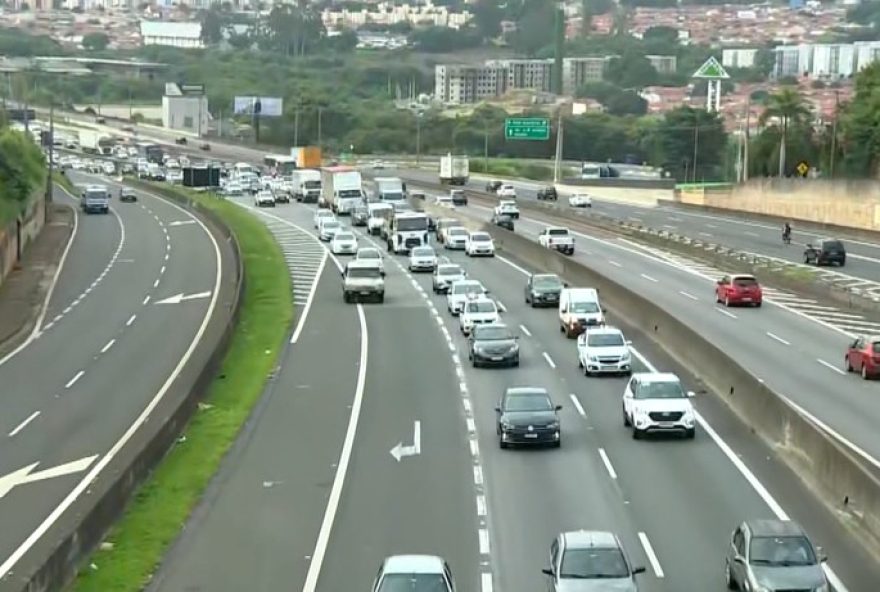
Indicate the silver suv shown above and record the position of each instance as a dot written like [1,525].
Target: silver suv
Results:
[590,561]
[363,279]
[773,555]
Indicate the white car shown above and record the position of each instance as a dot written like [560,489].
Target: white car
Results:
[344,243]
[109,168]
[455,237]
[445,275]
[264,198]
[174,176]
[422,259]
[479,244]
[580,201]
[654,402]
[370,254]
[477,309]
[414,572]
[507,190]
[233,188]
[507,208]
[328,229]
[603,350]
[460,291]
[444,201]
[320,214]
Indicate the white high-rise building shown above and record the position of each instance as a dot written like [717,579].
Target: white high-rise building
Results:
[460,84]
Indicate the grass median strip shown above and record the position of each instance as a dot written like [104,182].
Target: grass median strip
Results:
[135,546]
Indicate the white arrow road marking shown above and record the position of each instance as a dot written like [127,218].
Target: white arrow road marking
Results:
[24,474]
[178,298]
[181,222]
[401,451]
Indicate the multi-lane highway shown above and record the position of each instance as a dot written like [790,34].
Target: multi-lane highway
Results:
[109,347]
[313,499]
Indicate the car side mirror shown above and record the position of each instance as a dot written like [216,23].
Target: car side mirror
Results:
[342,273]
[566,285]
[638,570]
[559,408]
[547,571]
[604,310]
[739,559]
[498,409]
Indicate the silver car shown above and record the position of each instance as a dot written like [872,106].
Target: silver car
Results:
[590,561]
[414,573]
[773,555]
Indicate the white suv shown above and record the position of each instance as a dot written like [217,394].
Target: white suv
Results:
[460,291]
[479,243]
[477,309]
[655,402]
[603,350]
[422,259]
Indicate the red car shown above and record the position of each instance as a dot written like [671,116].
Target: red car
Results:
[864,355]
[739,289]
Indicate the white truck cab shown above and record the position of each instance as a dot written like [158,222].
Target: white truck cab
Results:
[378,215]
[602,350]
[579,308]
[407,230]
[656,402]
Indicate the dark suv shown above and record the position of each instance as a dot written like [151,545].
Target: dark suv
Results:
[827,252]
[547,193]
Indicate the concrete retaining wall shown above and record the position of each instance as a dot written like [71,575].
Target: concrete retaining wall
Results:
[825,466]
[18,234]
[52,563]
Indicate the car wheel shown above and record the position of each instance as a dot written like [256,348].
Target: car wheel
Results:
[580,364]
[807,259]
[758,304]
[637,434]
[728,577]
[842,263]
[626,422]
[516,362]
[865,372]
[691,433]
[346,297]
[561,329]
[558,443]
[727,301]
[847,364]
[501,443]
[381,299]
[586,371]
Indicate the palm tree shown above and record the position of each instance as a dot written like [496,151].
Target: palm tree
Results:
[788,107]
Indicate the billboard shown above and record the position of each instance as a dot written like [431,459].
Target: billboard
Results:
[264,106]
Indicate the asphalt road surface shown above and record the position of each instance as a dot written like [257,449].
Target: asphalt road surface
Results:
[107,346]
[492,513]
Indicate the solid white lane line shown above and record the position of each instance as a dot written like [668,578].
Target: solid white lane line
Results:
[777,338]
[608,466]
[831,366]
[725,312]
[652,557]
[24,424]
[649,278]
[323,541]
[75,378]
[525,330]
[614,263]
[486,582]
[484,541]
[549,360]
[108,346]
[513,265]
[501,306]
[130,320]
[146,300]
[577,405]
[310,298]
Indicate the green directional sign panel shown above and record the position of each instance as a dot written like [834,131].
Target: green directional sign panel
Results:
[712,70]
[527,128]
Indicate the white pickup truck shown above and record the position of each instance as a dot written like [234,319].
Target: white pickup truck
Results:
[507,208]
[557,238]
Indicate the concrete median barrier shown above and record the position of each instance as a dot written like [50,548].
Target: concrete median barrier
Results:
[53,561]
[827,468]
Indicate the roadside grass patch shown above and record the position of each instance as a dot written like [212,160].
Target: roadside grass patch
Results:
[135,546]
[64,181]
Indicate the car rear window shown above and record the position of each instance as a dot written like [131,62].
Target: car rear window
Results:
[832,245]
[875,347]
[745,282]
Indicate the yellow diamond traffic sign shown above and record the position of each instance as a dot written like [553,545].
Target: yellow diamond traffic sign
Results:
[803,168]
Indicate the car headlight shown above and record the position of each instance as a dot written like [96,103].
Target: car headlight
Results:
[553,426]
[823,588]
[594,358]
[506,425]
[514,348]
[625,357]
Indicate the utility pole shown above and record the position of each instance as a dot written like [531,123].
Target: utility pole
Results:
[559,30]
[320,113]
[51,155]
[834,133]
[418,137]
[557,163]
[296,126]
[485,148]
[696,146]
[748,139]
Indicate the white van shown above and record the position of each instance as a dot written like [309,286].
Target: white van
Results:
[579,308]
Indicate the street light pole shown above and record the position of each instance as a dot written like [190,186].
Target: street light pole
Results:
[418,138]
[296,126]
[320,113]
[51,154]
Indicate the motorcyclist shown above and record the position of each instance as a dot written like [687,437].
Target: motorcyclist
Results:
[786,232]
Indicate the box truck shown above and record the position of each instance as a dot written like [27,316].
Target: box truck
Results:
[341,188]
[306,185]
[306,157]
[390,189]
[454,170]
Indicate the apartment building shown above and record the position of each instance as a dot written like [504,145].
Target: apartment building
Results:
[173,34]
[577,72]
[527,73]
[738,58]
[387,13]
[825,60]
[461,84]
[664,64]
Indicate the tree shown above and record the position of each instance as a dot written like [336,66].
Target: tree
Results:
[95,42]
[788,109]
[590,9]
[444,39]
[661,33]
[212,26]
[22,167]
[860,125]
[691,143]
[535,28]
[626,102]
[487,18]
[631,70]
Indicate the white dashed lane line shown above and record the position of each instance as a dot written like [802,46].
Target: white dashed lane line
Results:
[130,320]
[525,330]
[726,313]
[687,295]
[577,405]
[607,462]
[549,360]
[831,366]
[614,263]
[777,338]
[24,424]
[75,379]
[649,278]
[652,556]
[108,346]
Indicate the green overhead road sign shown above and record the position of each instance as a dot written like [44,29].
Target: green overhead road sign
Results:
[712,70]
[527,128]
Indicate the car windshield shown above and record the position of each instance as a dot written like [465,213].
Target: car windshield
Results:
[413,583]
[528,402]
[467,289]
[875,347]
[455,231]
[745,282]
[659,390]
[364,272]
[423,252]
[484,306]
[546,281]
[605,340]
[417,223]
[557,232]
[781,551]
[344,236]
[331,224]
[480,238]
[587,306]
[593,563]
[490,333]
[449,270]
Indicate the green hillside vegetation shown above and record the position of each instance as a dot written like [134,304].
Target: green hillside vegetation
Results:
[22,171]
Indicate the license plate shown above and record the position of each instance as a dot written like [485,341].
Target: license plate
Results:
[747,299]
[497,358]
[531,435]
[365,293]
[667,424]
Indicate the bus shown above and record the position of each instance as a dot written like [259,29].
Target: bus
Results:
[152,152]
[282,165]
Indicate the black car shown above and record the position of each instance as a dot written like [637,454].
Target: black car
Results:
[360,215]
[205,147]
[417,195]
[527,415]
[181,141]
[459,197]
[827,252]
[493,344]
[543,289]
[127,194]
[547,193]
[492,186]
[503,220]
